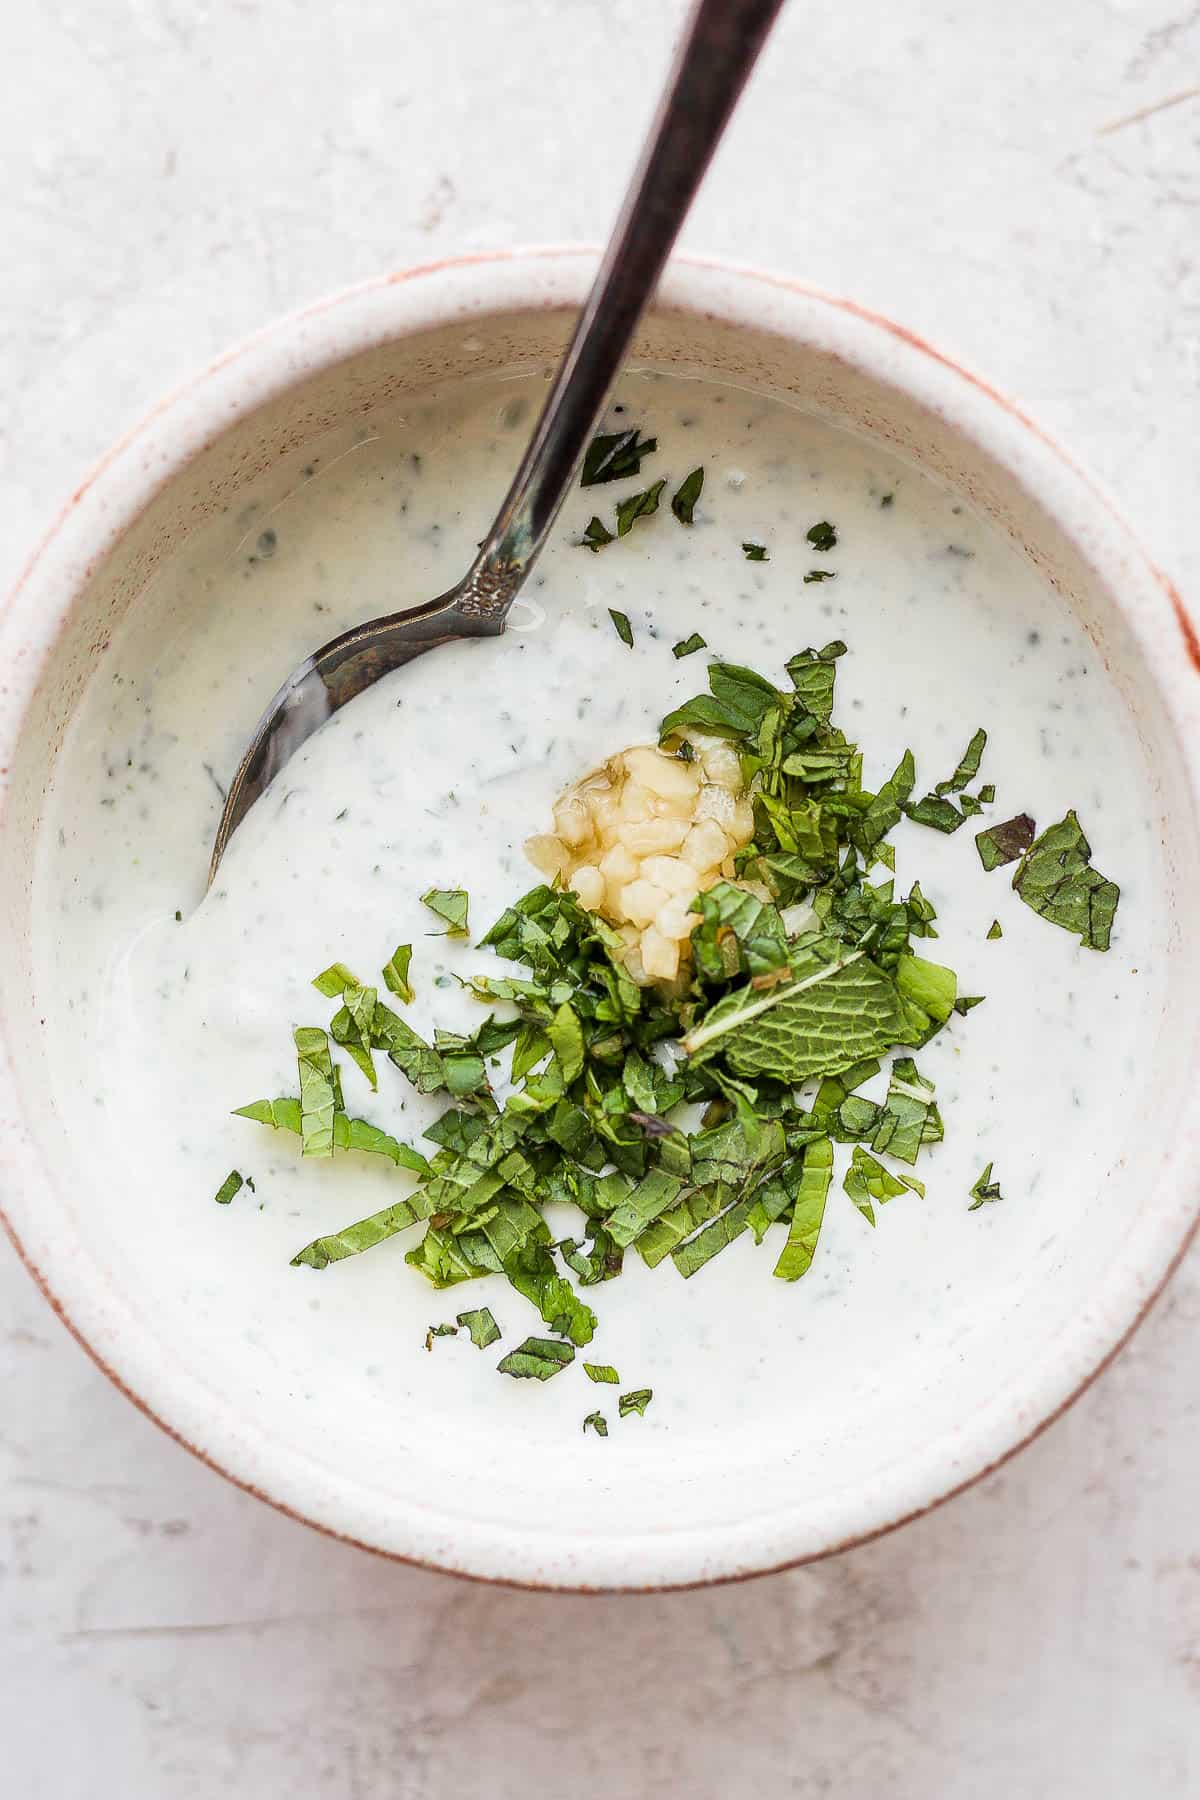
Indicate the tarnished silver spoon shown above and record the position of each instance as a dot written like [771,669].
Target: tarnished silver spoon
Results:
[720,45]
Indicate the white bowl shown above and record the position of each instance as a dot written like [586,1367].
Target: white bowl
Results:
[799,1475]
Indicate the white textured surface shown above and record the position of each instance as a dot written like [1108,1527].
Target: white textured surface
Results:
[178,171]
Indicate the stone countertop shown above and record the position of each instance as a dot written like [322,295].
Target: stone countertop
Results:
[1020,185]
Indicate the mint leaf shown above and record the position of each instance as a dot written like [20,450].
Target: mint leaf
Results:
[636,1401]
[449,904]
[968,766]
[621,626]
[995,929]
[481,1325]
[810,1183]
[1057,880]
[614,455]
[439,1331]
[537,1359]
[335,980]
[232,1184]
[736,933]
[866,1180]
[652,1196]
[598,1423]
[318,1092]
[1005,843]
[531,1271]
[822,536]
[984,1189]
[755,553]
[596,534]
[601,1372]
[910,1117]
[395,972]
[683,501]
[938,814]
[812,674]
[820,575]
[688,646]
[838,1008]
[638,506]
[354,1239]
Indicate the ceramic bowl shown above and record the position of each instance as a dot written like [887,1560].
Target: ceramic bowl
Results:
[818,1452]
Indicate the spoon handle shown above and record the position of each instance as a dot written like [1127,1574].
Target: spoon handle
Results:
[719,48]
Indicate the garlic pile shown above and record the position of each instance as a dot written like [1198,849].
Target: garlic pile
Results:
[641,837]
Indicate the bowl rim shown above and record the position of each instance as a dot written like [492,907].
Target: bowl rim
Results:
[236,384]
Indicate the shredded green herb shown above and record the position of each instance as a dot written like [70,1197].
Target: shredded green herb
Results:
[984,1189]
[449,904]
[755,553]
[636,1401]
[820,575]
[995,929]
[480,1325]
[601,1372]
[232,1184]
[598,1423]
[822,536]
[683,501]
[595,535]
[638,506]
[537,1359]
[1057,880]
[1005,843]
[395,972]
[439,1331]
[688,646]
[621,626]
[614,455]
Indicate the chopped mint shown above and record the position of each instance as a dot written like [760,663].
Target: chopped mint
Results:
[995,930]
[1005,843]
[636,1401]
[319,1096]
[437,1331]
[449,904]
[968,766]
[598,1423]
[638,506]
[614,455]
[232,1184]
[480,1325]
[596,534]
[395,972]
[621,626]
[822,536]
[984,1189]
[537,1359]
[683,501]
[811,1186]
[1057,880]
[688,646]
[601,1372]
[820,575]
[755,553]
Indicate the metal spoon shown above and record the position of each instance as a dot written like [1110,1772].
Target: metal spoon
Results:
[719,48]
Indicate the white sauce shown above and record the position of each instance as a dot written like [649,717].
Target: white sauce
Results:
[158,1027]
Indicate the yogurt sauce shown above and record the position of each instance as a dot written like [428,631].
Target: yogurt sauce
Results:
[167,1009]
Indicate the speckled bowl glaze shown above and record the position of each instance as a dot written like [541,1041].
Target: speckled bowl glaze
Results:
[655,1510]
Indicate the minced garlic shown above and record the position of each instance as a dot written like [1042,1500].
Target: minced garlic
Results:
[641,837]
